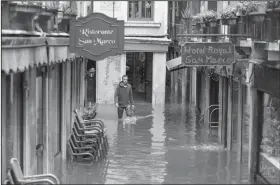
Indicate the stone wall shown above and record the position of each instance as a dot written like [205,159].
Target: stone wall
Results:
[109,72]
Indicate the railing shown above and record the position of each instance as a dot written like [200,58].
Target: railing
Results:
[266,30]
[176,29]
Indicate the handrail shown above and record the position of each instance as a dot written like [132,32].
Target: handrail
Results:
[213,35]
[210,121]
[207,111]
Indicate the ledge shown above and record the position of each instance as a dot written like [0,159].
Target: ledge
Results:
[20,33]
[146,35]
[147,40]
[31,42]
[272,160]
[145,24]
[140,44]
[244,43]
[272,46]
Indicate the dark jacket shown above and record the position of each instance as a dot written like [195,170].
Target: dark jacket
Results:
[123,95]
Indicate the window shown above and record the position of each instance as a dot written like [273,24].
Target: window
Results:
[140,10]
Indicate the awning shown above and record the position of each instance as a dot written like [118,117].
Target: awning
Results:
[20,53]
[173,63]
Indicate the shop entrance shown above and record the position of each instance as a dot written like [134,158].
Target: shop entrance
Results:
[91,82]
[139,68]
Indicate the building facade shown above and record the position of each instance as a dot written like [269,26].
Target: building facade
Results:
[42,82]
[146,45]
[239,98]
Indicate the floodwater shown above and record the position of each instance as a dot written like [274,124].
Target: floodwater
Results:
[167,146]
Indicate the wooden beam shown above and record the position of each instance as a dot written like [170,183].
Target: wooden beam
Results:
[207,99]
[229,119]
[255,99]
[184,85]
[64,114]
[194,86]
[221,83]
[26,142]
[3,125]
[240,121]
[46,123]
[225,110]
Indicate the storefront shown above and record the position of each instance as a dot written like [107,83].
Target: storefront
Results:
[41,85]
[268,142]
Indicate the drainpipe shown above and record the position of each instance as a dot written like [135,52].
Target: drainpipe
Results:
[173,19]
[91,6]
[113,9]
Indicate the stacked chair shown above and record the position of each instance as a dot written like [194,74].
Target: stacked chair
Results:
[88,140]
[15,176]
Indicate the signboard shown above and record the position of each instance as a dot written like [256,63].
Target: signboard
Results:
[207,54]
[97,36]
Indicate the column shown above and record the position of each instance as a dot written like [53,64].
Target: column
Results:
[175,95]
[172,86]
[221,81]
[82,82]
[4,123]
[229,119]
[225,110]
[108,73]
[159,76]
[255,111]
[193,86]
[184,85]
[207,98]
[240,121]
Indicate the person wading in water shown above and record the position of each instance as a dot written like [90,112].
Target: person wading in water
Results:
[124,97]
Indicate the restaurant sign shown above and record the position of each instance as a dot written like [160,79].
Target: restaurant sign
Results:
[207,54]
[97,36]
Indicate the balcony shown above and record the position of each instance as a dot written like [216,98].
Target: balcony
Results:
[34,16]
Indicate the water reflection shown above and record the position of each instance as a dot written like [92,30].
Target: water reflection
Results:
[167,147]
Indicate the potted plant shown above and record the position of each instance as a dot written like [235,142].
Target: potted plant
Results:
[210,17]
[257,12]
[273,6]
[196,21]
[228,15]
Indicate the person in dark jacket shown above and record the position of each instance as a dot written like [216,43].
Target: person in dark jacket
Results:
[124,97]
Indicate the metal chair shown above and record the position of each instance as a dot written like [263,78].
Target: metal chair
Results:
[89,137]
[19,178]
[84,140]
[87,144]
[86,153]
[90,123]
[91,132]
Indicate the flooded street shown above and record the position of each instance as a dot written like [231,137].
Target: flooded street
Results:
[167,146]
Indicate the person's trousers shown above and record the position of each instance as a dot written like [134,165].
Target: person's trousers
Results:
[120,112]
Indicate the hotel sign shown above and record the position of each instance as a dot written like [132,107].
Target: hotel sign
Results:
[97,36]
[207,54]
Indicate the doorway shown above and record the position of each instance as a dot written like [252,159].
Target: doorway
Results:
[91,83]
[139,69]
[214,98]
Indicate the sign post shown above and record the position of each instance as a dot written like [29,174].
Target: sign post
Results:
[207,54]
[97,36]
